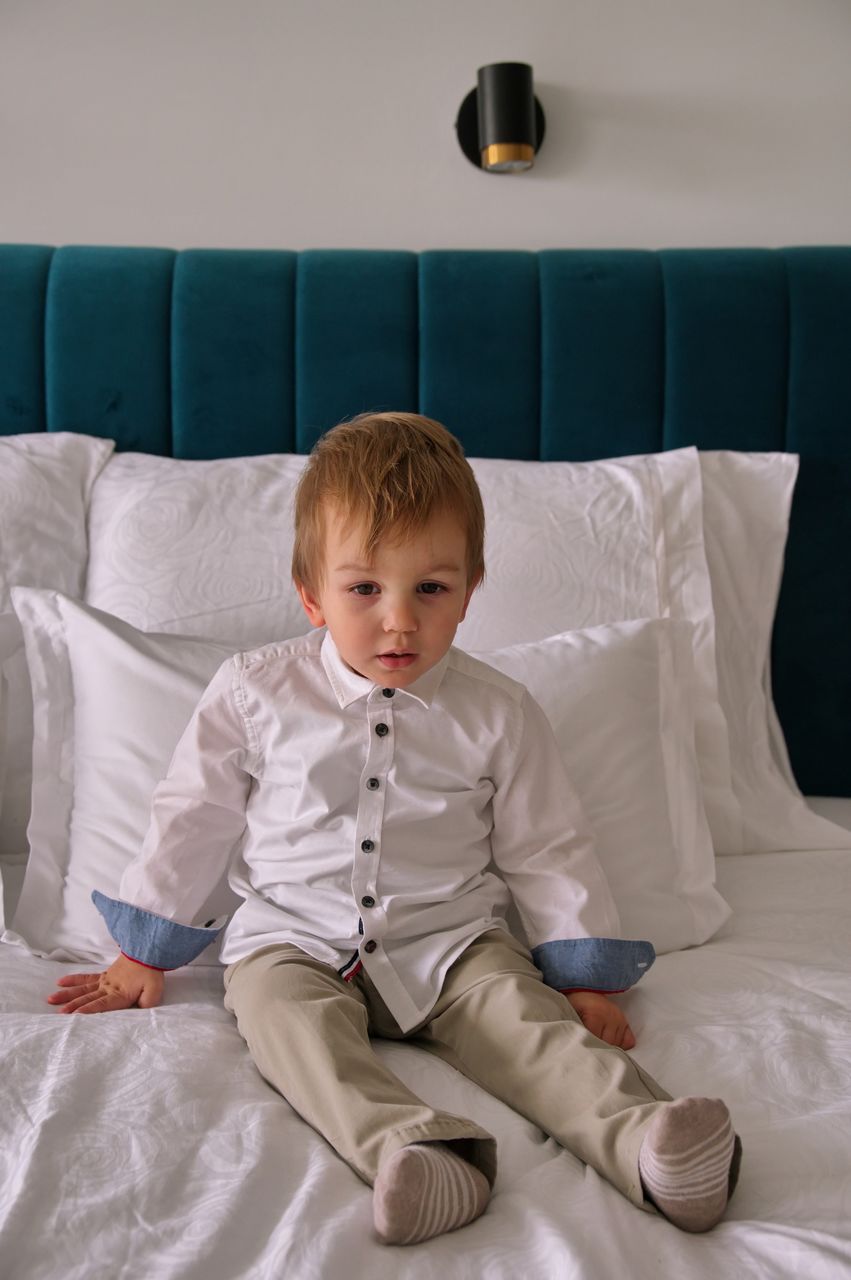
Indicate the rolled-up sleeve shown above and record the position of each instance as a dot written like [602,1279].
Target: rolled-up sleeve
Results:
[151,939]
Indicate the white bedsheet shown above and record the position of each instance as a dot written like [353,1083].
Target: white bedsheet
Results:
[145,1144]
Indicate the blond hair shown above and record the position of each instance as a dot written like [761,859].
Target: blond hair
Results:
[392,472]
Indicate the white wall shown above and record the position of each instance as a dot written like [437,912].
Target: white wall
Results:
[297,123]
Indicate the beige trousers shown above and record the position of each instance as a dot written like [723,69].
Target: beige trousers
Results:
[495,1021]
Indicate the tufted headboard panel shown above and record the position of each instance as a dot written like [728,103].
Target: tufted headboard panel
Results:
[562,354]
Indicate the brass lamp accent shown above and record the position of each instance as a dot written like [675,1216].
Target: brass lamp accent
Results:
[508,157]
[500,123]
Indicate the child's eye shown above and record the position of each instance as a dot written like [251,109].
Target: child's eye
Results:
[364,588]
[431,588]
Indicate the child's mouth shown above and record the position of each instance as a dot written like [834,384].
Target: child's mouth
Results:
[394,660]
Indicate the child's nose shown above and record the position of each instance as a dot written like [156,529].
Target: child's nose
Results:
[400,616]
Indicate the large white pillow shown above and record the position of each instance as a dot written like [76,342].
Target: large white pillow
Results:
[539,551]
[200,548]
[45,483]
[578,544]
[204,547]
[111,702]
[747,499]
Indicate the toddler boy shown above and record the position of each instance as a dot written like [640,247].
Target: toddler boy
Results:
[360,785]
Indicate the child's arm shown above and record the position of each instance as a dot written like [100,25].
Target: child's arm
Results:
[198,815]
[545,851]
[124,984]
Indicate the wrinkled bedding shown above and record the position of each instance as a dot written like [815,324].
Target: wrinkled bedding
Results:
[144,1143]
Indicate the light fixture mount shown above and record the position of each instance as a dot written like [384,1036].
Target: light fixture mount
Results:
[501,123]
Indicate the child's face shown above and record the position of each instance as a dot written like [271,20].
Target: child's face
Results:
[394,615]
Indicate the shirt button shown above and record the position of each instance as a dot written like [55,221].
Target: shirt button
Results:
[388,693]
[373,784]
[382,730]
[367,846]
[367,901]
[370,946]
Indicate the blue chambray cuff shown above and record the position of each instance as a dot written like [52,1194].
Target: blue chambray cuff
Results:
[149,938]
[594,964]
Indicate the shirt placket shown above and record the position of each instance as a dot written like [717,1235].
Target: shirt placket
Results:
[370,820]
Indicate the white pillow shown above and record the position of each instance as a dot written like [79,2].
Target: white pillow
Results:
[204,547]
[556,570]
[747,499]
[578,544]
[111,702]
[45,484]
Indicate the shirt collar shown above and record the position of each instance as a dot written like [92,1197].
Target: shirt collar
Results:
[348,686]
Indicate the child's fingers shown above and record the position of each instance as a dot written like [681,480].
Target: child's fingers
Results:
[625,1040]
[60,997]
[74,1000]
[69,992]
[616,1031]
[77,979]
[619,1032]
[104,1004]
[92,1002]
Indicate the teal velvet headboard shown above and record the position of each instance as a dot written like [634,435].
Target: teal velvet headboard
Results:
[563,354]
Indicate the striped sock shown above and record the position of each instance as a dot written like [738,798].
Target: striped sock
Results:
[425,1190]
[689,1162]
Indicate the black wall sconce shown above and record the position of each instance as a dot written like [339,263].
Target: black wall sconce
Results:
[501,123]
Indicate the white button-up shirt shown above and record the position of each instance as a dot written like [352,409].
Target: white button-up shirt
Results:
[367,825]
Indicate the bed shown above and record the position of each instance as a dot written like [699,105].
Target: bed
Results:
[663,441]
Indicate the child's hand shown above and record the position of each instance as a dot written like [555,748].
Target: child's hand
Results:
[603,1018]
[124,984]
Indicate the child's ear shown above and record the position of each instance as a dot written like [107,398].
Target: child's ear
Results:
[311,605]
